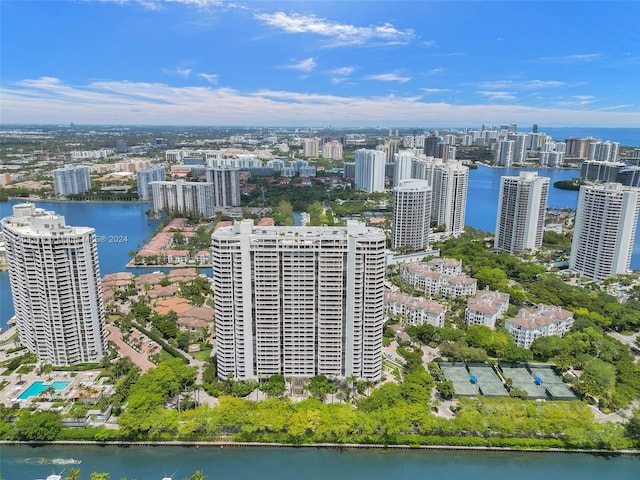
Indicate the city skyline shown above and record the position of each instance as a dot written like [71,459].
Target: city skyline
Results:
[209,62]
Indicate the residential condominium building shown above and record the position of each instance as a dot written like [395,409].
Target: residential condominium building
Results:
[311,147]
[332,150]
[604,230]
[486,308]
[600,171]
[370,170]
[414,310]
[522,206]
[72,179]
[186,198]
[505,151]
[145,176]
[543,321]
[298,301]
[449,194]
[226,186]
[603,151]
[447,266]
[55,285]
[403,166]
[432,282]
[411,214]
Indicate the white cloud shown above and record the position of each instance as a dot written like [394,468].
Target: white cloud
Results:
[522,85]
[434,71]
[576,58]
[158,4]
[575,101]
[306,65]
[497,95]
[435,90]
[209,77]
[342,71]
[49,100]
[338,34]
[616,107]
[182,72]
[389,77]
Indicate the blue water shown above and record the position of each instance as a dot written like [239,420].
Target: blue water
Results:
[154,463]
[484,187]
[627,137]
[36,388]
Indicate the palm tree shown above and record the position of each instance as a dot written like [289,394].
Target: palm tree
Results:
[74,474]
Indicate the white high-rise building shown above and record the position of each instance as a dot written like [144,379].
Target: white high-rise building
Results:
[145,176]
[603,151]
[311,147]
[522,207]
[55,285]
[403,169]
[188,198]
[332,150]
[449,204]
[519,147]
[505,150]
[411,214]
[298,301]
[370,170]
[605,228]
[72,179]
[226,186]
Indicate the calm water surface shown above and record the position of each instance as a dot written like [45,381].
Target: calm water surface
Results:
[153,463]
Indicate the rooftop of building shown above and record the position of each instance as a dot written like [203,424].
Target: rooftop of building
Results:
[247,227]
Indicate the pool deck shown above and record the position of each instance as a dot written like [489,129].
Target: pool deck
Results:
[18,383]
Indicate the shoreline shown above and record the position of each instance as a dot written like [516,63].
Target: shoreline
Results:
[57,200]
[173,265]
[332,446]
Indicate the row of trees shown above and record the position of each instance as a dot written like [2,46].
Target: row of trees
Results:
[391,414]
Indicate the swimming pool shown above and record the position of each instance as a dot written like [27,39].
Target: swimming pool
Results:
[36,388]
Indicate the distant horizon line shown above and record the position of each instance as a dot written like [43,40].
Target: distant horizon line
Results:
[329,127]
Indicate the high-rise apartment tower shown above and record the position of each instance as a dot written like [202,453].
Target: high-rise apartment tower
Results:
[411,214]
[55,285]
[522,207]
[605,227]
[298,301]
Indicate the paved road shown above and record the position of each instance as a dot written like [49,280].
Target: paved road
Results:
[140,359]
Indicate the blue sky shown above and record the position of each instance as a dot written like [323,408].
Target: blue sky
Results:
[341,63]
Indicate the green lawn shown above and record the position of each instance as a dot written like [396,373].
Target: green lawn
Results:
[202,355]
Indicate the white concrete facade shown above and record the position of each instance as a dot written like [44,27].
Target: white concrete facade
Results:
[55,285]
[188,198]
[145,176]
[226,186]
[370,170]
[605,228]
[531,323]
[298,301]
[433,282]
[411,214]
[522,206]
[414,310]
[72,179]
[486,308]
[449,205]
